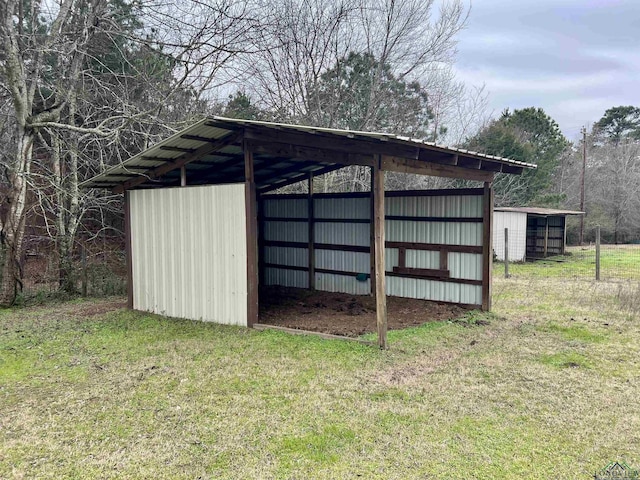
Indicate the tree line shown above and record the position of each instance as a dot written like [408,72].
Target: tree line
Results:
[84,84]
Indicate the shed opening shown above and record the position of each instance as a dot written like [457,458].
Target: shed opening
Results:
[203,232]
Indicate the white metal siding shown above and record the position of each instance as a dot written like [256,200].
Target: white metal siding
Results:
[189,254]
[342,208]
[516,222]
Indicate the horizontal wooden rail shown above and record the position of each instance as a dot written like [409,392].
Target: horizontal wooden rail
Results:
[464,281]
[402,218]
[450,192]
[436,247]
[423,272]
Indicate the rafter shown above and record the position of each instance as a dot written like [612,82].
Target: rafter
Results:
[180,161]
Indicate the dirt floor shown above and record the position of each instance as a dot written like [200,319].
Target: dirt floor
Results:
[344,314]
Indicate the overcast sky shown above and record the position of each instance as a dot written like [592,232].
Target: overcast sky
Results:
[574,58]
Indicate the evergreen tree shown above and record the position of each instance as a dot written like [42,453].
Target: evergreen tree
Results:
[528,135]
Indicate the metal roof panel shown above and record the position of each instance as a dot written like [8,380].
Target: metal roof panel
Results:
[215,128]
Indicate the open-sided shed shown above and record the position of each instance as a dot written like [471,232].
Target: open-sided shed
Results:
[201,249]
[533,232]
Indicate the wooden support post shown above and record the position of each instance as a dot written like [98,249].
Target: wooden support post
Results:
[261,245]
[127,247]
[487,251]
[183,176]
[312,234]
[546,236]
[252,237]
[506,253]
[598,252]
[379,243]
[564,235]
[372,237]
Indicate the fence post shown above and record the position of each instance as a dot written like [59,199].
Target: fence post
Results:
[84,271]
[506,253]
[598,252]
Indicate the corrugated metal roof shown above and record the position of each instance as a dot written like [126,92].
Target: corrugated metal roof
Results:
[354,134]
[211,160]
[538,211]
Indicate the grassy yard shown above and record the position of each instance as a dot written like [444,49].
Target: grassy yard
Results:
[549,388]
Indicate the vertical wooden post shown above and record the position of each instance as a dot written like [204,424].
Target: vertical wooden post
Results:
[252,237]
[506,253]
[546,236]
[261,246]
[378,226]
[372,237]
[127,247]
[487,256]
[312,234]
[564,234]
[402,257]
[444,259]
[598,252]
[183,176]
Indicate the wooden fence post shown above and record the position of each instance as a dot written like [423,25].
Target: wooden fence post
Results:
[506,253]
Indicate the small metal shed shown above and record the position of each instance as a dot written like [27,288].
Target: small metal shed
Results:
[533,232]
[202,235]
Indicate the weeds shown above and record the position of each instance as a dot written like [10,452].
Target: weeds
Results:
[628,296]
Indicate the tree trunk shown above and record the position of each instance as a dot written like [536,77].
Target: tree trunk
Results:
[67,277]
[12,232]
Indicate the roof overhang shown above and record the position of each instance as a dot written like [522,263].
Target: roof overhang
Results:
[211,151]
[542,212]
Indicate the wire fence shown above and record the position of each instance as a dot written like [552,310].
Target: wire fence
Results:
[532,253]
[535,253]
[95,273]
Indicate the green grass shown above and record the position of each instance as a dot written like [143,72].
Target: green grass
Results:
[619,262]
[544,387]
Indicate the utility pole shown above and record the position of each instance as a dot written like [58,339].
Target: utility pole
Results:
[584,166]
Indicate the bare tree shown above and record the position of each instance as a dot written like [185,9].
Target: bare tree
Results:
[614,187]
[356,64]
[89,77]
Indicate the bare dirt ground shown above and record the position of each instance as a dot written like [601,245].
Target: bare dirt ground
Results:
[344,314]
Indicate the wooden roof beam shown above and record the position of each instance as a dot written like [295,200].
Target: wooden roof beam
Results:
[139,168]
[395,164]
[491,166]
[304,176]
[305,153]
[437,157]
[170,148]
[468,162]
[333,143]
[260,177]
[198,138]
[179,162]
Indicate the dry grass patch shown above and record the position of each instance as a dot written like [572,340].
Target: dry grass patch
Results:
[545,387]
